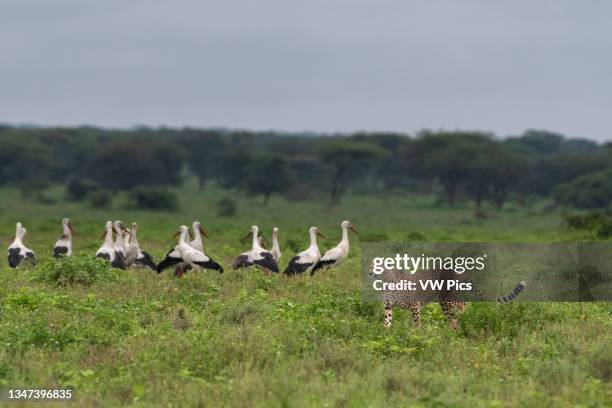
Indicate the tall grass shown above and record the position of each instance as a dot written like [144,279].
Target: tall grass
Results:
[245,339]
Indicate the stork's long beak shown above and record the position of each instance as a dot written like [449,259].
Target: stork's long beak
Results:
[103,235]
[176,234]
[248,235]
[126,230]
[203,232]
[71,228]
[353,229]
[321,235]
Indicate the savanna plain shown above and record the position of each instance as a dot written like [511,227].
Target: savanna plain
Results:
[243,338]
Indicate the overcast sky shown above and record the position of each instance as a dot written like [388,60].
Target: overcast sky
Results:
[321,65]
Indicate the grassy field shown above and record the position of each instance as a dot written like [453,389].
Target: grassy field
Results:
[245,339]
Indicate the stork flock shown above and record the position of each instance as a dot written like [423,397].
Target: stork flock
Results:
[122,250]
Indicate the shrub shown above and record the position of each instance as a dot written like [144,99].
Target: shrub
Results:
[154,198]
[226,207]
[374,237]
[416,237]
[100,199]
[78,189]
[593,190]
[593,221]
[42,198]
[79,269]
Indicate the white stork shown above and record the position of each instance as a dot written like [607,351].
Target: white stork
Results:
[17,251]
[135,255]
[107,250]
[198,231]
[119,245]
[276,252]
[307,259]
[130,247]
[338,253]
[195,243]
[184,252]
[257,255]
[63,245]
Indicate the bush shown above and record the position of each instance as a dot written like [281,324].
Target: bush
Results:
[593,190]
[597,222]
[78,189]
[373,237]
[226,207]
[79,269]
[100,199]
[154,198]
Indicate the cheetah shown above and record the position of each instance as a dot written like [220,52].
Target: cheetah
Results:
[450,301]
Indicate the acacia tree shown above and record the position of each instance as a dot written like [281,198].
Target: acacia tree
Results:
[122,165]
[347,159]
[267,175]
[450,158]
[202,149]
[508,170]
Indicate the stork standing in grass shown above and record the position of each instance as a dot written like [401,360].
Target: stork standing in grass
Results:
[119,245]
[136,256]
[338,253]
[307,259]
[256,256]
[107,250]
[63,245]
[198,232]
[276,252]
[184,252]
[196,243]
[17,251]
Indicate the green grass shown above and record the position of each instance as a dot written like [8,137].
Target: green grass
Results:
[245,339]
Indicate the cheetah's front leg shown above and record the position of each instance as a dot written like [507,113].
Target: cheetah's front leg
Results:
[388,314]
[448,308]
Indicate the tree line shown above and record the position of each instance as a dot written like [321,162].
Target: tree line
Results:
[457,165]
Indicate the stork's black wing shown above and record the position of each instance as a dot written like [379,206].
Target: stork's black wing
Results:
[267,262]
[210,264]
[242,261]
[14,257]
[119,261]
[59,251]
[322,264]
[168,261]
[296,267]
[144,259]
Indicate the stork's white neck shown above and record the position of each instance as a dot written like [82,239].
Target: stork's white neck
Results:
[108,239]
[197,236]
[255,241]
[133,238]
[345,239]
[19,233]
[183,237]
[119,239]
[313,239]
[275,246]
[67,231]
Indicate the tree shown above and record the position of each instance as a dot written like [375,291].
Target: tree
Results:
[451,158]
[347,158]
[24,162]
[508,171]
[122,165]
[202,149]
[267,175]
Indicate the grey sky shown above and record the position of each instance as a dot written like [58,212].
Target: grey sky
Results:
[322,65]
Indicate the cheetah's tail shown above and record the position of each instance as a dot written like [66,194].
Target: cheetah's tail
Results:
[513,293]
